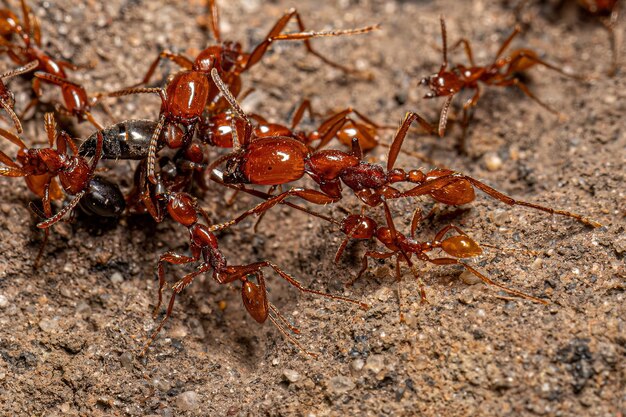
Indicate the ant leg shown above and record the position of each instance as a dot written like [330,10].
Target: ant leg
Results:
[446,229]
[13,138]
[466,116]
[280,328]
[399,281]
[215,21]
[260,217]
[468,49]
[486,280]
[177,289]
[174,259]
[178,59]
[444,43]
[275,35]
[396,145]
[299,113]
[507,41]
[522,59]
[47,210]
[512,202]
[11,166]
[369,254]
[312,196]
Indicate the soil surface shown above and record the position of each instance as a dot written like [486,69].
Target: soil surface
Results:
[72,331]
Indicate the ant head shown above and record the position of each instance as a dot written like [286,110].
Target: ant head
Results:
[182,208]
[255,300]
[358,226]
[444,83]
[461,246]
[208,59]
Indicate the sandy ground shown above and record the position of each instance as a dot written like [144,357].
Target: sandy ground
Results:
[71,332]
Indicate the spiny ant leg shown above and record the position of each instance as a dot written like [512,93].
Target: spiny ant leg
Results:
[396,145]
[178,59]
[512,202]
[369,254]
[275,35]
[174,259]
[176,289]
[507,41]
[485,279]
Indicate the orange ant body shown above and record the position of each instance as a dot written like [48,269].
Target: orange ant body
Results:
[184,210]
[280,160]
[501,73]
[190,91]
[75,98]
[41,168]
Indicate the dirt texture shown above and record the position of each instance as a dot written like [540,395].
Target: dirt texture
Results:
[71,332]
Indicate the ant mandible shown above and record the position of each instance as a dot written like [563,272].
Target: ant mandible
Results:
[184,210]
[41,167]
[502,72]
[280,160]
[76,101]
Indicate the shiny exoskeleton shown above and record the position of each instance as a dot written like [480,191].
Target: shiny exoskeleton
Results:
[51,172]
[75,98]
[184,210]
[501,72]
[189,92]
[281,160]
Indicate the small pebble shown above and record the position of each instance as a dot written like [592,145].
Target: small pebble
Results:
[492,161]
[291,375]
[375,363]
[340,384]
[49,325]
[116,278]
[469,278]
[126,359]
[357,364]
[3,301]
[187,401]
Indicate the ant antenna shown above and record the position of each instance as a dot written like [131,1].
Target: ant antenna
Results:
[228,95]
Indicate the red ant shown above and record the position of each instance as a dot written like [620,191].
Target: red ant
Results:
[184,210]
[41,167]
[403,248]
[7,100]
[501,72]
[189,92]
[217,130]
[76,101]
[280,160]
